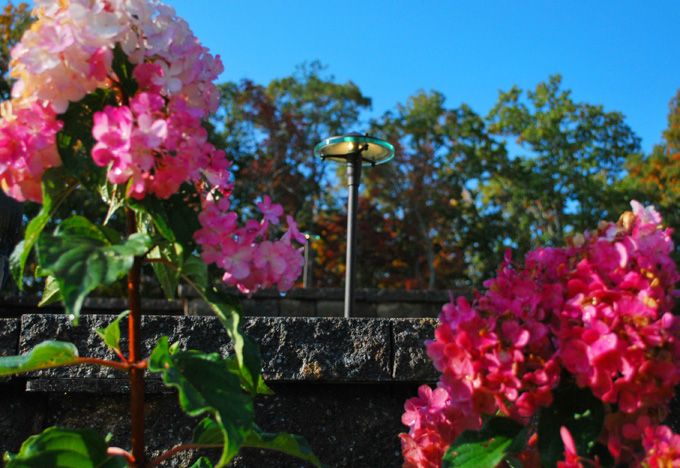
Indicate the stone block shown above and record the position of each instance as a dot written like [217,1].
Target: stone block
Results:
[9,336]
[257,307]
[364,309]
[406,310]
[329,350]
[322,349]
[330,309]
[297,308]
[22,415]
[411,362]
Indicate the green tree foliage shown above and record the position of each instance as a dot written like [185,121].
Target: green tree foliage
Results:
[273,129]
[571,158]
[443,157]
[13,22]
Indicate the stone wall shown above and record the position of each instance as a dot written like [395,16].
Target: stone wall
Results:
[340,383]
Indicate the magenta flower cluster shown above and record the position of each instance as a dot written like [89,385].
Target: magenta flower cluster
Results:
[151,142]
[597,310]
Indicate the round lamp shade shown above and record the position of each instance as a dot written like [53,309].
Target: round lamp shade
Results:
[372,151]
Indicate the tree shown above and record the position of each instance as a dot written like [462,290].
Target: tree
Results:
[443,156]
[13,22]
[570,159]
[273,129]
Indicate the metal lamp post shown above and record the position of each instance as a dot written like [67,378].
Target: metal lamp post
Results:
[355,150]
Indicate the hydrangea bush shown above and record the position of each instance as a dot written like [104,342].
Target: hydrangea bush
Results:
[110,98]
[569,360]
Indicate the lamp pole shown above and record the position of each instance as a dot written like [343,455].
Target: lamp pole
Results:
[354,150]
[353,180]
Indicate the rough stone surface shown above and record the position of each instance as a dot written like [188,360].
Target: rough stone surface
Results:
[410,359]
[22,414]
[9,337]
[321,349]
[315,349]
[346,426]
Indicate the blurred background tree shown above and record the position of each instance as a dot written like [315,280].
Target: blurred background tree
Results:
[13,21]
[462,188]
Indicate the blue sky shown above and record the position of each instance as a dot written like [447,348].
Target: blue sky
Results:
[622,54]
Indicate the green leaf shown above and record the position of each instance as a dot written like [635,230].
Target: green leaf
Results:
[123,68]
[579,411]
[206,384]
[75,139]
[175,218]
[44,355]
[289,444]
[485,448]
[111,334]
[202,462]
[208,432]
[227,309]
[112,196]
[54,192]
[195,269]
[167,276]
[51,293]
[64,448]
[81,258]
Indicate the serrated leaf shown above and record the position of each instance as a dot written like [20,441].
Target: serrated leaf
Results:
[485,448]
[283,442]
[81,258]
[43,356]
[64,448]
[111,334]
[579,411]
[54,192]
[206,384]
[51,293]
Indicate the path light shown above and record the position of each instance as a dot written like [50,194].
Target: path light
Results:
[355,150]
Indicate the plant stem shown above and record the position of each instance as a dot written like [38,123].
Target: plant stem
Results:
[119,452]
[123,366]
[177,449]
[136,369]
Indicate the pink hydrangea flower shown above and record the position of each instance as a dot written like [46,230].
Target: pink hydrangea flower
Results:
[600,309]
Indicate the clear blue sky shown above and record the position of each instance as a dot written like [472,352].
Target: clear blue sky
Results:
[622,54]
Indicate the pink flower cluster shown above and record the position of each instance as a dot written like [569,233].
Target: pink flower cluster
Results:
[599,309]
[157,142]
[153,141]
[251,260]
[27,148]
